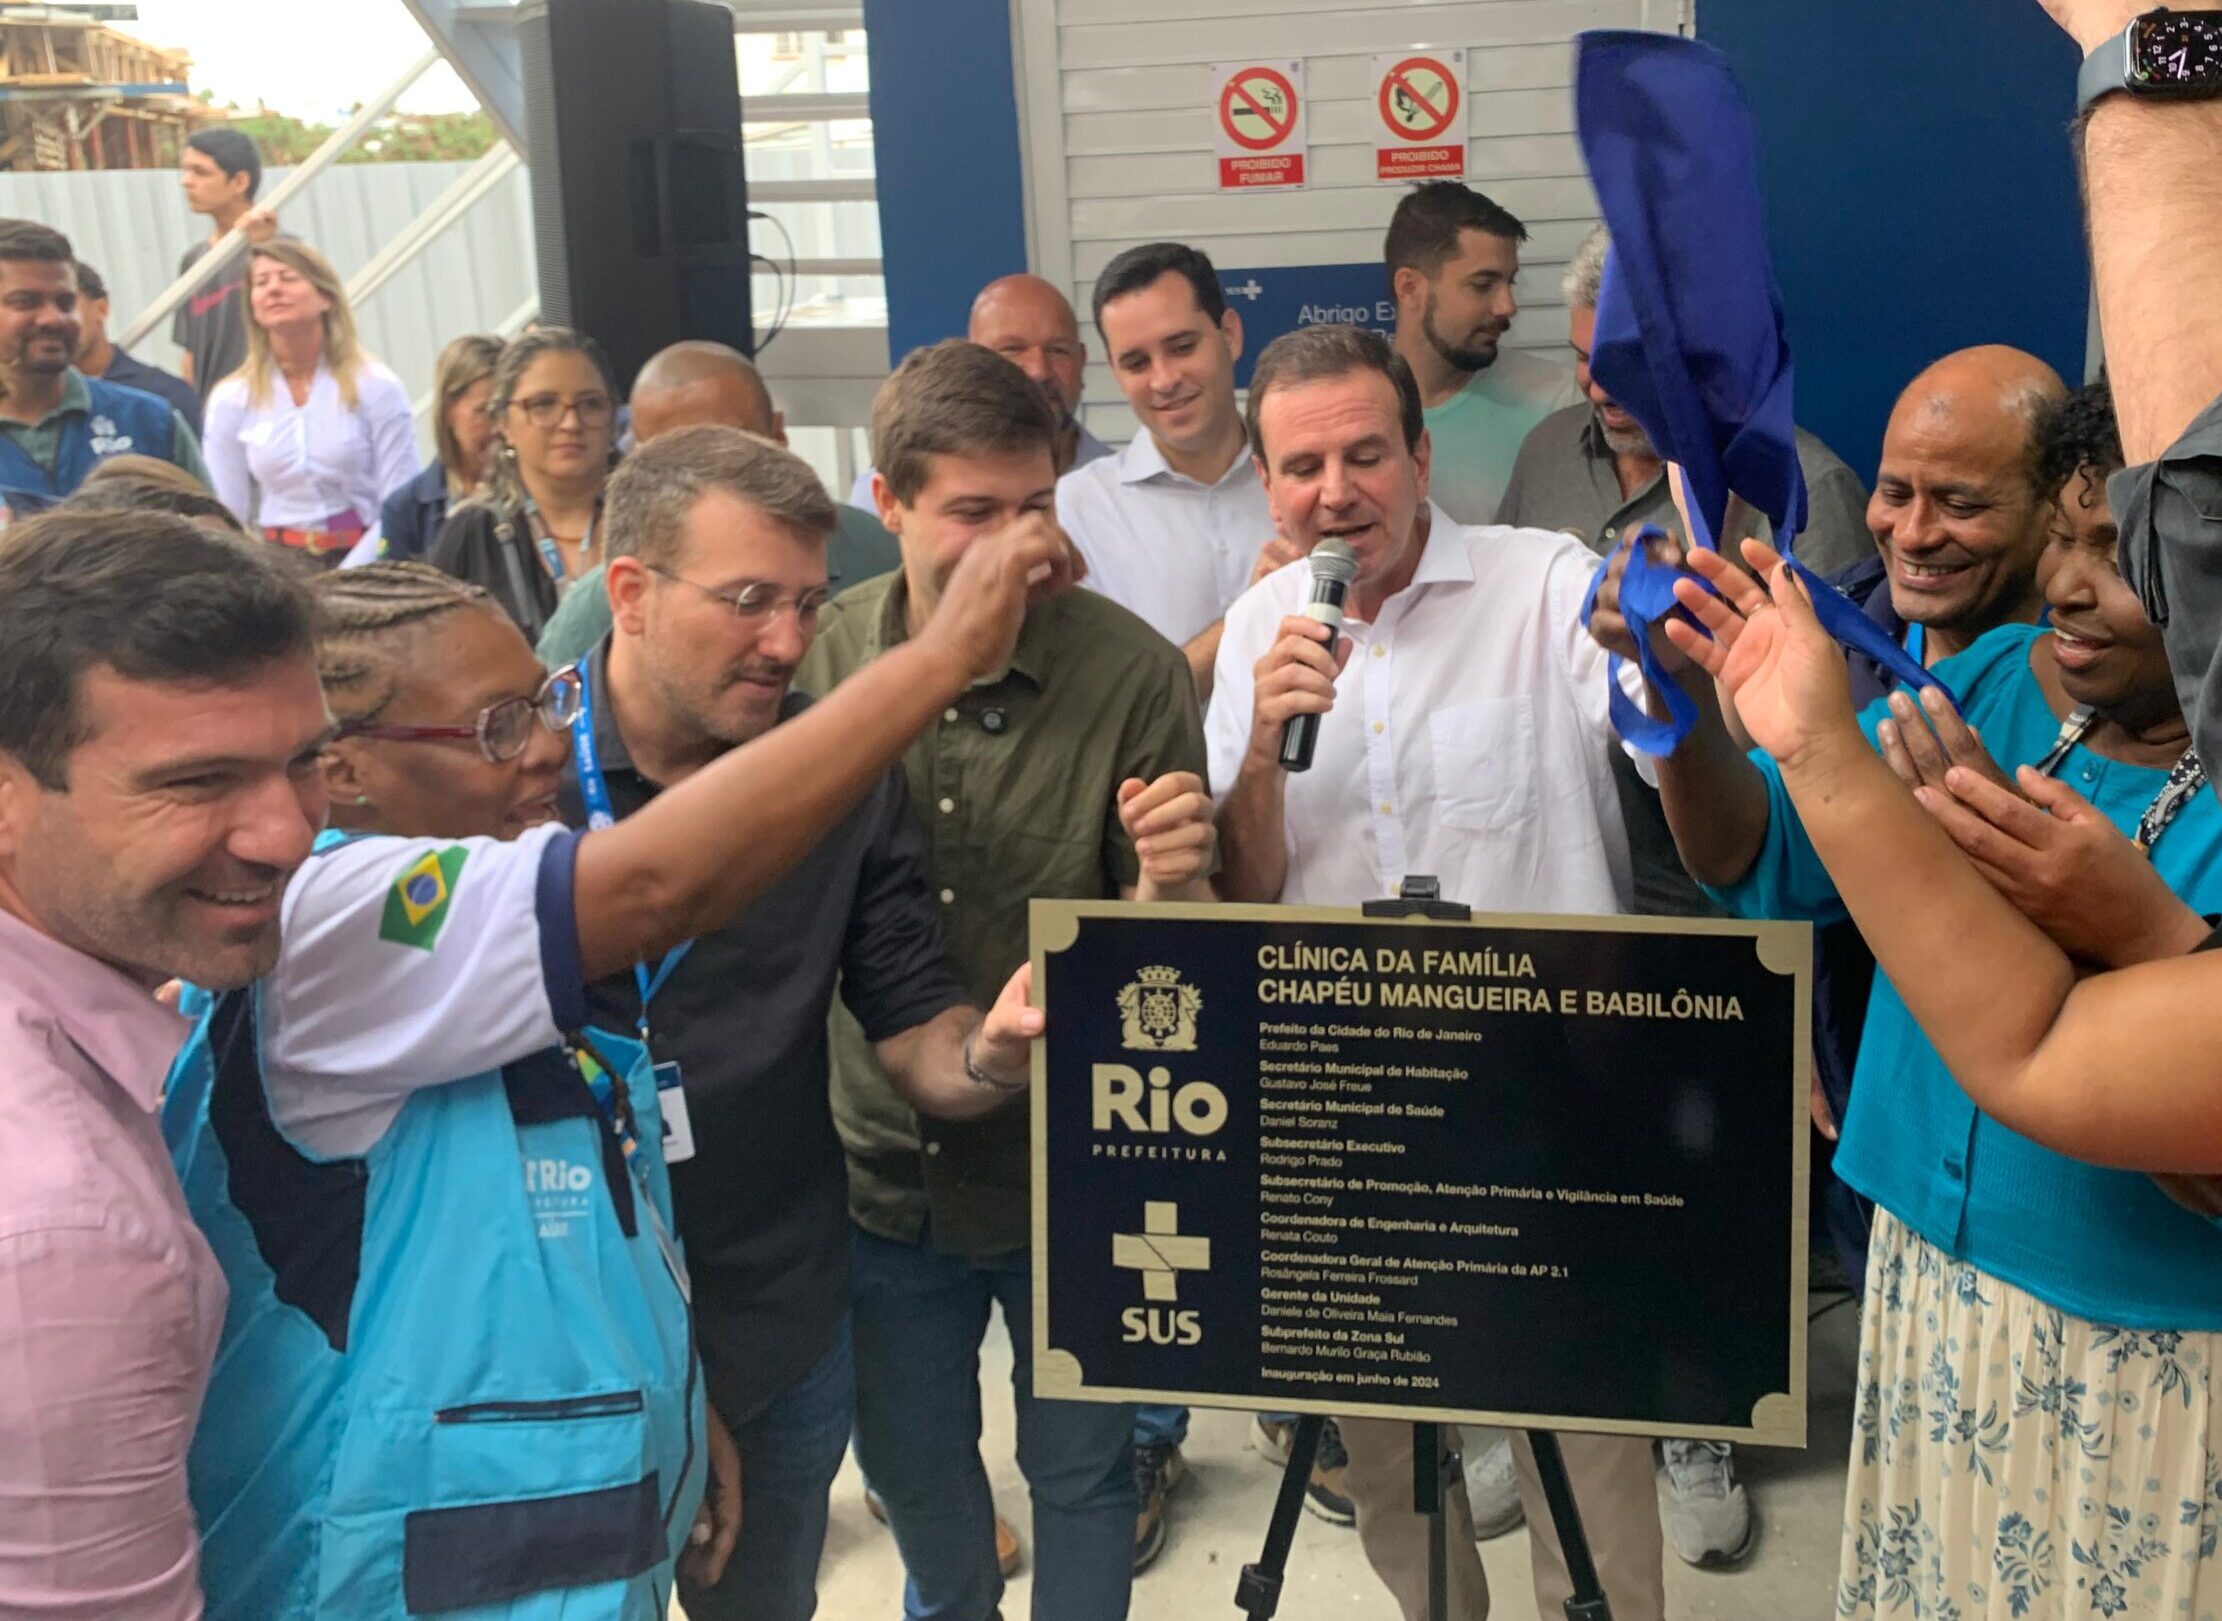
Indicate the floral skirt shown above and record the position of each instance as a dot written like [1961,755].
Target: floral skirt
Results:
[2011,1460]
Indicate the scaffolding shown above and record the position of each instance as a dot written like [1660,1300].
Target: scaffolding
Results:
[77,94]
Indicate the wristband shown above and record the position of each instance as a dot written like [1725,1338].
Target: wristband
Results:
[980,1077]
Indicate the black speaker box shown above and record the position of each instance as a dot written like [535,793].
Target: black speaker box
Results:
[639,192]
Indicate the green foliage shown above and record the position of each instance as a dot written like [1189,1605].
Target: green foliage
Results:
[397,138]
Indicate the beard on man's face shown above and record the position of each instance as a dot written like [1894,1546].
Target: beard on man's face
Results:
[1624,436]
[1474,351]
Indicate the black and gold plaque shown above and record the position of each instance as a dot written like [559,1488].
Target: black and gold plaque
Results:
[1545,1172]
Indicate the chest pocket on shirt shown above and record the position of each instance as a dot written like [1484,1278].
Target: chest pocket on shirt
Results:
[1486,767]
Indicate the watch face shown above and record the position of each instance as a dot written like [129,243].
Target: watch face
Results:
[2177,51]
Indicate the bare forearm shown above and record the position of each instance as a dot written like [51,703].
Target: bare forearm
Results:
[1715,798]
[698,853]
[1253,837]
[2153,174]
[927,1066]
[1984,982]
[1202,653]
[2121,1069]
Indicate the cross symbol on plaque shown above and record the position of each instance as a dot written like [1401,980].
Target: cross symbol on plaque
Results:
[1159,1252]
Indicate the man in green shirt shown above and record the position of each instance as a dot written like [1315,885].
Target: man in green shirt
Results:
[699,384]
[1453,257]
[1077,774]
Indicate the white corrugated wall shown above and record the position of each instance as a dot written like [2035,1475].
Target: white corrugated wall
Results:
[1116,99]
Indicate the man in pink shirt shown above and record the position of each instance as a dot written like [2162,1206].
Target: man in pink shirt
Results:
[160,720]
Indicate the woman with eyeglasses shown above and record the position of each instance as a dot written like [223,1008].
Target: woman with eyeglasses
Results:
[528,532]
[462,383]
[306,438]
[482,1213]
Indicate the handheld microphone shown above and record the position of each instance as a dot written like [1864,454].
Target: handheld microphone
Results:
[1334,566]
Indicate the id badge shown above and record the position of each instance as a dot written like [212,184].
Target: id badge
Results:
[671,1102]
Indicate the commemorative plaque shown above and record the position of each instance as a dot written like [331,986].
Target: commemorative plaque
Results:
[1535,1171]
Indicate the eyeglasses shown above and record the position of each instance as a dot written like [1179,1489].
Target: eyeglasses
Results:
[758,599]
[502,730]
[546,410]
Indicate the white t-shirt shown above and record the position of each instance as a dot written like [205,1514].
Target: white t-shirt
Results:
[1468,738]
[410,963]
[1170,550]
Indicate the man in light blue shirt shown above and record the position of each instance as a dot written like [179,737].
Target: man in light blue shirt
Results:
[1453,257]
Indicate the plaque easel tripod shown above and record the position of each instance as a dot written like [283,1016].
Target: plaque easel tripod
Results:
[1258,1595]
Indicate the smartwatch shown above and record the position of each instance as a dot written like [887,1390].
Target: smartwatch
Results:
[2171,54]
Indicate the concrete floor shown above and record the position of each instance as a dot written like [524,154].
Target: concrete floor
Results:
[1219,1516]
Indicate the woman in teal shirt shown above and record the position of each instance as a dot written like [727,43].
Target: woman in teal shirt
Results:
[2035,1431]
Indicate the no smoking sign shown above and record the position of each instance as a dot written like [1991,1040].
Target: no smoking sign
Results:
[1258,125]
[1422,106]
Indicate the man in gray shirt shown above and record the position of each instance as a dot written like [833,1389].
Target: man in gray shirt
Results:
[1589,469]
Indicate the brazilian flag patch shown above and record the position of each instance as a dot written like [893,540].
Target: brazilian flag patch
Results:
[416,906]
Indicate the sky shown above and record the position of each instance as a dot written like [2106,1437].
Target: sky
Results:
[313,59]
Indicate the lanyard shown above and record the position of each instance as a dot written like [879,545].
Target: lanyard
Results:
[600,813]
[552,554]
[615,1105]
[2185,778]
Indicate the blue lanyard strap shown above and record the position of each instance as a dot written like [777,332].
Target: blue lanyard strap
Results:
[610,1095]
[594,791]
[616,1107]
[552,554]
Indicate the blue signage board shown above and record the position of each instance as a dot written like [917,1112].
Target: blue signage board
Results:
[1282,298]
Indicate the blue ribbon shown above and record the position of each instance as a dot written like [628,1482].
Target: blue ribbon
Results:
[1690,333]
[594,790]
[1646,598]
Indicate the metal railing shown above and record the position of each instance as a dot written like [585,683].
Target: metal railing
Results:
[208,265]
[459,199]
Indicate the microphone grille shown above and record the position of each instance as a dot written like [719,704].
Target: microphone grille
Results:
[1334,560]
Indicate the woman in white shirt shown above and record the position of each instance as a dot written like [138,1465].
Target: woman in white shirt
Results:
[306,438]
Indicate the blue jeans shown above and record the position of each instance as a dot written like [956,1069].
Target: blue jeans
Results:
[1168,1426]
[1160,1426]
[920,1317]
[790,1453]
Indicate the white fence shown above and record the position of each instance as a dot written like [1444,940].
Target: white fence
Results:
[132,225]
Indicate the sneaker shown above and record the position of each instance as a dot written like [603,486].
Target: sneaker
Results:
[1006,1534]
[1492,1489]
[1273,1438]
[1158,1468]
[1709,1518]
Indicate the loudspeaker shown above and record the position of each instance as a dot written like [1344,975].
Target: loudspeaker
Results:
[639,192]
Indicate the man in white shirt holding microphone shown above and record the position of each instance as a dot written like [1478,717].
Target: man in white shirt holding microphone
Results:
[1461,732]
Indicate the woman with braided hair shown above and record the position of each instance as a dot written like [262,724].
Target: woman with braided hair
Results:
[419,1322]
[528,531]
[458,1371]
[404,650]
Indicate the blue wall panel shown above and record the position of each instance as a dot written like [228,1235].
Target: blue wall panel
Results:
[945,126]
[1921,190]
